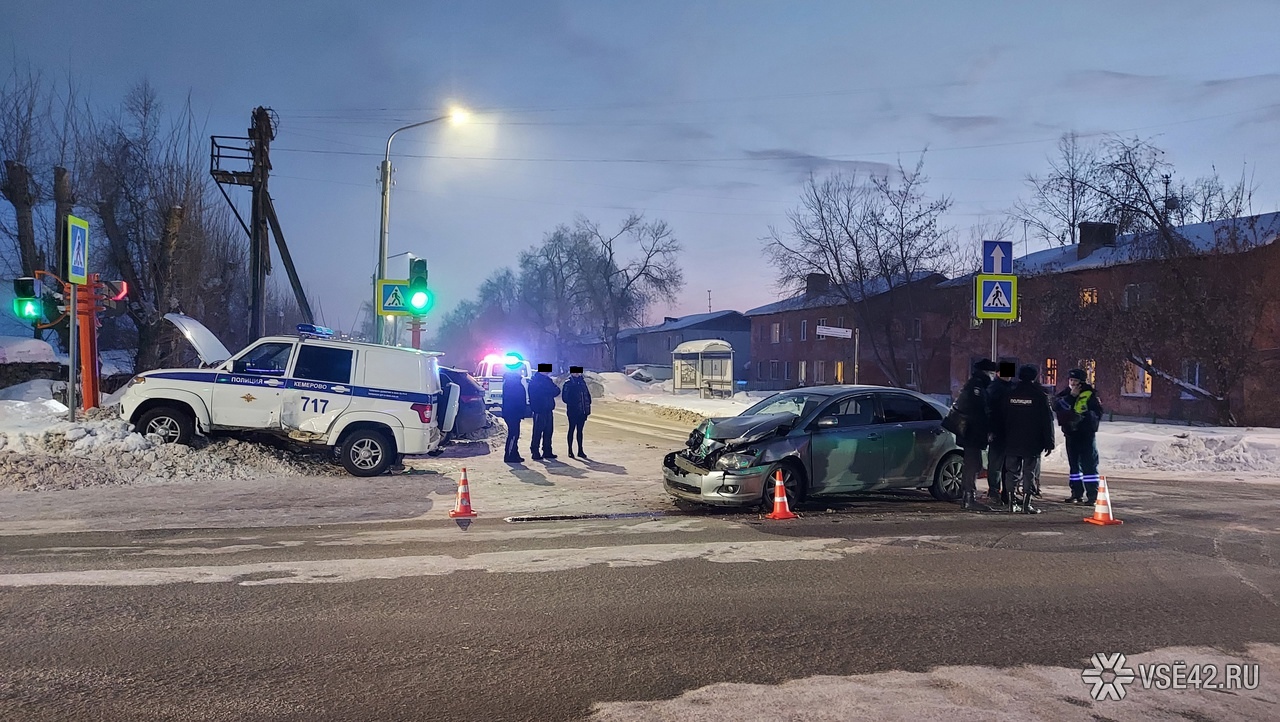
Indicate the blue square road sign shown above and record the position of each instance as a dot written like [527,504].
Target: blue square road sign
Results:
[997,257]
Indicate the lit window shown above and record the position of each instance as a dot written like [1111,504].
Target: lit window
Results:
[1088,296]
[1050,372]
[1090,368]
[804,331]
[777,333]
[803,368]
[839,372]
[1137,382]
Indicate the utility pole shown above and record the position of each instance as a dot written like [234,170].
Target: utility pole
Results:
[708,301]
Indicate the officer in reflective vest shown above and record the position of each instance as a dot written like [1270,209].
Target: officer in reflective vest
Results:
[1079,413]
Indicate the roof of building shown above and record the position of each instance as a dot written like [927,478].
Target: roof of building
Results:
[1259,230]
[704,345]
[680,323]
[833,297]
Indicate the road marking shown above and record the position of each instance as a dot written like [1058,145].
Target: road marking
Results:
[330,571]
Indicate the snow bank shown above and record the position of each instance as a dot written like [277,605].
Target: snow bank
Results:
[38,390]
[1156,451]
[39,449]
[14,349]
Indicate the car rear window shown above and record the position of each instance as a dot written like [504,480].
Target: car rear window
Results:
[899,409]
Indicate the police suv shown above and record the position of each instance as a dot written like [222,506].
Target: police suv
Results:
[372,404]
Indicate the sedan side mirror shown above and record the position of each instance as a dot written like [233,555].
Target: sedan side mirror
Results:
[828,422]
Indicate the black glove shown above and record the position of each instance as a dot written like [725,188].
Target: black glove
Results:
[1048,451]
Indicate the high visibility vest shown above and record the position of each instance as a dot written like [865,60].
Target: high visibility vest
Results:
[1082,402]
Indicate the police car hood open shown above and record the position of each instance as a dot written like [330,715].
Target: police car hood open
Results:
[207,346]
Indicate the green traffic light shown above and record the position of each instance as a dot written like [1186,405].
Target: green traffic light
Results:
[28,309]
[418,300]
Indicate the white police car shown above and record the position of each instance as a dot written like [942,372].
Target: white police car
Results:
[372,404]
[491,372]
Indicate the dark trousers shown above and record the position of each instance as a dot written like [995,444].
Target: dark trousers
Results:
[513,437]
[995,471]
[1082,459]
[972,465]
[543,425]
[575,426]
[1020,471]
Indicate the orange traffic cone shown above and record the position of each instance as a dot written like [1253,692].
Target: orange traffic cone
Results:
[780,508]
[462,508]
[1102,507]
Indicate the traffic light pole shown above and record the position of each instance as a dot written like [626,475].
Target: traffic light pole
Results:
[415,328]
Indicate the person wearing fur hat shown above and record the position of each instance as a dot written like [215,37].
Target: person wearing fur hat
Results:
[1024,420]
[971,405]
[1079,412]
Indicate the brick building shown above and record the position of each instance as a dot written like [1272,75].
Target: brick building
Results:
[654,344]
[891,343]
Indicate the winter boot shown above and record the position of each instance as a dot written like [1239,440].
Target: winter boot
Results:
[969,502]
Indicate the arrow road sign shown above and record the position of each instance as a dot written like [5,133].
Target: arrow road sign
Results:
[393,298]
[996,297]
[78,250]
[997,257]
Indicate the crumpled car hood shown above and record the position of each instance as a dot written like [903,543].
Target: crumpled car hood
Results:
[745,428]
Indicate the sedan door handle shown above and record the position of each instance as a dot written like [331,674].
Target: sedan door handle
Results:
[873,437]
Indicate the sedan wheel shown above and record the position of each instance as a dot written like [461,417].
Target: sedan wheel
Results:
[948,478]
[791,481]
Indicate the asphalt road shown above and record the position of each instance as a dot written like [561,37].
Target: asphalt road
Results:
[538,621]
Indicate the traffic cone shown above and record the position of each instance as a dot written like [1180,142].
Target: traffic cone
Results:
[1102,507]
[462,508]
[780,508]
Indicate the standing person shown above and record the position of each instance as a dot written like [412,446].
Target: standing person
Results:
[972,407]
[542,401]
[515,407]
[1024,418]
[1079,412]
[577,405]
[999,387]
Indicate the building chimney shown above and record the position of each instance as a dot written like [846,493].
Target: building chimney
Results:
[1094,236]
[670,319]
[816,284]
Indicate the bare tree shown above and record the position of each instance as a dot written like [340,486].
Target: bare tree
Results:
[24,116]
[620,288]
[1064,196]
[553,286]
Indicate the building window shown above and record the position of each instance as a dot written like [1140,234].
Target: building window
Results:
[1137,382]
[820,372]
[760,371]
[911,374]
[1050,376]
[788,329]
[840,322]
[1088,297]
[1190,375]
[777,333]
[917,330]
[839,372]
[787,371]
[822,322]
[804,330]
[803,368]
[773,370]
[1090,368]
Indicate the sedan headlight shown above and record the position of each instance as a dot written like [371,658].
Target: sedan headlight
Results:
[734,460]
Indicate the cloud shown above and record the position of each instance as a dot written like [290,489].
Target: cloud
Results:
[1112,81]
[806,163]
[1267,81]
[965,123]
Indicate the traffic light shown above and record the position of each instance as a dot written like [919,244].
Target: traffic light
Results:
[115,296]
[420,300]
[26,302]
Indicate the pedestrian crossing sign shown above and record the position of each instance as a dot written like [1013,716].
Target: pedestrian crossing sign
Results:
[996,296]
[77,250]
[393,298]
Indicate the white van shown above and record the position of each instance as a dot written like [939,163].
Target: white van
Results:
[371,404]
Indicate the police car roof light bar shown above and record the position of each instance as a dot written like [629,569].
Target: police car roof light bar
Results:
[314,331]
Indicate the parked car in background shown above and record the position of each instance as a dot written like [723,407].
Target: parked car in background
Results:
[471,416]
[490,372]
[825,440]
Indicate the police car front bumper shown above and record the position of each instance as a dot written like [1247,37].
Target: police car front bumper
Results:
[684,480]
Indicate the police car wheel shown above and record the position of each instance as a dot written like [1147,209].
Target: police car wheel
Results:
[367,453]
[171,424]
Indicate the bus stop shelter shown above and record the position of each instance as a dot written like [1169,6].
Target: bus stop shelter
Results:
[705,366]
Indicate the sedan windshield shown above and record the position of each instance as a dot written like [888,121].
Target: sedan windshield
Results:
[798,404]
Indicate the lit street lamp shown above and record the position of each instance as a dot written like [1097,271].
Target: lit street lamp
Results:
[458,116]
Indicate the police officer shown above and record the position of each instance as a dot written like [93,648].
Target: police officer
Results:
[1000,386]
[972,406]
[1079,411]
[515,407]
[542,401]
[1025,421]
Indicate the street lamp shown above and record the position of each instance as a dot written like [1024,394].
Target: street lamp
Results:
[457,115]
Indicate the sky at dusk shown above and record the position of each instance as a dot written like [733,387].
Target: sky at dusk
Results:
[709,115]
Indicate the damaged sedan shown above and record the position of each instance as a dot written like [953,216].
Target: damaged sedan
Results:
[825,440]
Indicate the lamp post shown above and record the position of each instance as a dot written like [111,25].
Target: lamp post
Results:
[456,116]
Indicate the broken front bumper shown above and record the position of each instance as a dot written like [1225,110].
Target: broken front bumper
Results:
[685,480]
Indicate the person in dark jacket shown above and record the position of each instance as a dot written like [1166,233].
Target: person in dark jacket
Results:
[577,405]
[1079,412]
[1024,419]
[515,407]
[1000,386]
[972,406]
[542,401]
